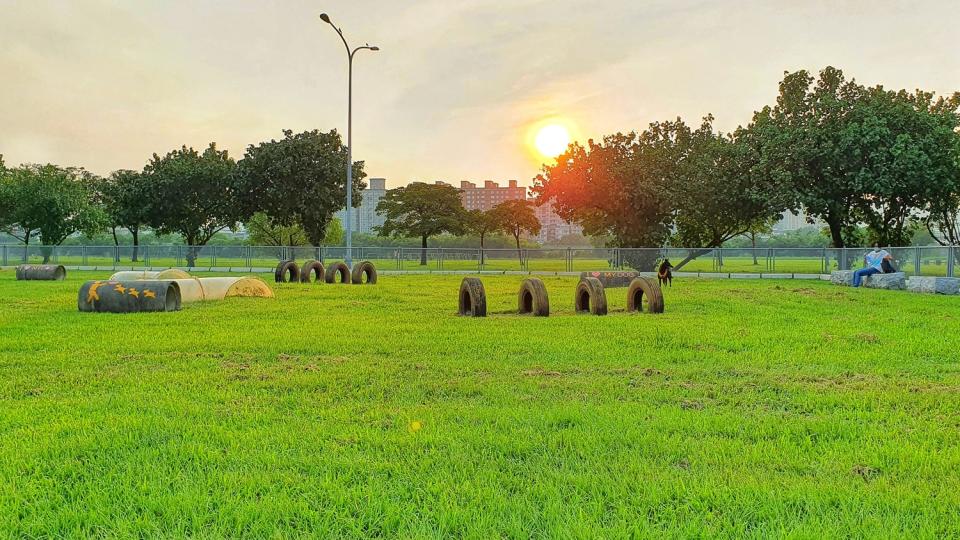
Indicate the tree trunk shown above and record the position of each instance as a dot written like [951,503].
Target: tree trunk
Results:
[26,246]
[753,241]
[519,251]
[136,244]
[423,251]
[481,248]
[191,252]
[693,254]
[116,244]
[836,233]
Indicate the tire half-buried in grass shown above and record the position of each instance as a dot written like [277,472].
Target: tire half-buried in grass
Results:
[287,271]
[590,297]
[338,272]
[41,272]
[532,298]
[364,273]
[129,296]
[472,298]
[643,287]
[312,271]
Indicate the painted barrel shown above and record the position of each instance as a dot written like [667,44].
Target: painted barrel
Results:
[41,272]
[611,279]
[129,296]
[218,288]
[130,275]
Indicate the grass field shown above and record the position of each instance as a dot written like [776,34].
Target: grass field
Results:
[757,409]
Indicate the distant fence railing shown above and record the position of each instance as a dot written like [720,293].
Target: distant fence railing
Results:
[926,260]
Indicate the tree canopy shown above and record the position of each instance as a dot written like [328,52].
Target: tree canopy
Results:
[193,194]
[422,210]
[299,179]
[50,201]
[516,216]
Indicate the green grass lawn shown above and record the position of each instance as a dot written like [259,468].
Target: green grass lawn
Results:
[750,408]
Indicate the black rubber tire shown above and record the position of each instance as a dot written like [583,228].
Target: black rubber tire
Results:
[644,287]
[287,271]
[338,272]
[472,298]
[364,269]
[312,271]
[533,299]
[590,297]
[45,272]
[129,296]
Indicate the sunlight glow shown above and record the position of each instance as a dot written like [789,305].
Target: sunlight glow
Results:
[552,140]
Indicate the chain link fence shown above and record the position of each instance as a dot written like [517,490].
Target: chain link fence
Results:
[926,260]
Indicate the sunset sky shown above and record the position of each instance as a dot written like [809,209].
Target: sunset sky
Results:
[456,88]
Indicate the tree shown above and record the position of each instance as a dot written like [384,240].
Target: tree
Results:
[52,201]
[905,149]
[422,210]
[616,189]
[299,179]
[335,233]
[719,190]
[123,195]
[264,231]
[482,223]
[516,216]
[193,194]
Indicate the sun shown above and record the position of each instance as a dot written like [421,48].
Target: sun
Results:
[552,140]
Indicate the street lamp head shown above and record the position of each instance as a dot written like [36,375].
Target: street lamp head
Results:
[325,18]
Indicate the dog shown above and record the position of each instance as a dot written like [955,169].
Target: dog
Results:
[664,273]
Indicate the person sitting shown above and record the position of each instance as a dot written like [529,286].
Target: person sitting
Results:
[873,264]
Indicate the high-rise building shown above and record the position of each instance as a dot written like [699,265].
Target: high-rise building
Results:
[552,226]
[490,195]
[365,216]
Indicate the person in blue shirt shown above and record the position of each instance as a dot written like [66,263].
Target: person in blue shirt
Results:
[873,264]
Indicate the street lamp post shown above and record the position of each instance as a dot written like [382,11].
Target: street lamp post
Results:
[349,209]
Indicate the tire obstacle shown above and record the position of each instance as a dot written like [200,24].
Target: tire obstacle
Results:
[644,287]
[532,298]
[41,272]
[312,271]
[364,270]
[590,297]
[338,272]
[287,272]
[473,298]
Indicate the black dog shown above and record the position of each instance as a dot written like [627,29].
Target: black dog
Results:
[664,274]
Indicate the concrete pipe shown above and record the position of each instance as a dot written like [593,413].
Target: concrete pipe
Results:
[140,275]
[128,296]
[38,272]
[218,288]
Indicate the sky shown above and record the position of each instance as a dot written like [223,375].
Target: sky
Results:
[458,88]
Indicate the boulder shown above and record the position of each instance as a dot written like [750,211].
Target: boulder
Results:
[896,281]
[934,285]
[842,277]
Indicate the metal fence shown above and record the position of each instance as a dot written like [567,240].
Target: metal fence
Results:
[929,261]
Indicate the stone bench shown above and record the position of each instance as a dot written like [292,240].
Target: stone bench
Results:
[934,285]
[896,281]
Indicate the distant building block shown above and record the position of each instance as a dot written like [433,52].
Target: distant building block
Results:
[934,285]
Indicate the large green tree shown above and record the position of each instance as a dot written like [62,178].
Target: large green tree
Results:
[50,201]
[124,195]
[422,210]
[299,179]
[516,217]
[194,194]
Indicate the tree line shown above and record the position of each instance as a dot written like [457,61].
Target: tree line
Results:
[849,155]
[296,182]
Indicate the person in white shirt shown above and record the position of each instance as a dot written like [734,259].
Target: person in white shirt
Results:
[873,264]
